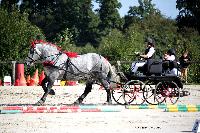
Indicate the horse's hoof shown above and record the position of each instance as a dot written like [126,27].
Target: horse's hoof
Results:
[40,103]
[52,92]
[77,102]
[107,103]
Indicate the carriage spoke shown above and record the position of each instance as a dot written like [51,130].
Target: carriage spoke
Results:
[118,96]
[149,93]
[134,90]
[169,92]
[174,93]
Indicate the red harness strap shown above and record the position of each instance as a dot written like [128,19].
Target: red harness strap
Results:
[51,63]
[71,54]
[48,63]
[33,43]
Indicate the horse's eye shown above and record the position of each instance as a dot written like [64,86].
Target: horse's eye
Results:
[31,51]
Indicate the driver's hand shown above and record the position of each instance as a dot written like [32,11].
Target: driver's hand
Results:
[137,53]
[141,59]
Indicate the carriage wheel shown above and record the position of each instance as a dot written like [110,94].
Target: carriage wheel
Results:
[133,92]
[117,94]
[167,92]
[148,93]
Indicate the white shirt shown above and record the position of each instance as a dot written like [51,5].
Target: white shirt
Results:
[171,58]
[174,70]
[151,52]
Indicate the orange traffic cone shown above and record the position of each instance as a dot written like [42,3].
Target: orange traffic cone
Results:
[17,82]
[35,77]
[22,81]
[41,77]
[28,80]
[32,82]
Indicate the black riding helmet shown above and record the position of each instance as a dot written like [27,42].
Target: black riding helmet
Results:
[171,52]
[150,41]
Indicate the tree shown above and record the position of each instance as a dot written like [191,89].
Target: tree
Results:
[9,5]
[136,13]
[189,14]
[109,15]
[41,14]
[55,16]
[79,18]
[85,22]
[145,8]
[15,36]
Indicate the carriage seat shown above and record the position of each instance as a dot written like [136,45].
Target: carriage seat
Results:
[167,64]
[153,67]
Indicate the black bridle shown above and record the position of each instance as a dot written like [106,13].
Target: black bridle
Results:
[33,51]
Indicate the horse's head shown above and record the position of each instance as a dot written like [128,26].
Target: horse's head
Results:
[33,55]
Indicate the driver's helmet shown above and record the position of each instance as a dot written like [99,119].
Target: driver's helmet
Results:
[171,52]
[150,41]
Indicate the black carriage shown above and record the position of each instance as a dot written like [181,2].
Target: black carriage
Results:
[152,84]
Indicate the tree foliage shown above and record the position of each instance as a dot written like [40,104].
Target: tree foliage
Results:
[9,5]
[15,36]
[55,15]
[189,14]
[75,26]
[144,10]
[109,15]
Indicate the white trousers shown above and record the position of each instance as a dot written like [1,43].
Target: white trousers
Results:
[136,64]
[175,71]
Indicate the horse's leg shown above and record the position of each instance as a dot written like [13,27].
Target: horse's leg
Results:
[107,88]
[87,90]
[44,83]
[47,91]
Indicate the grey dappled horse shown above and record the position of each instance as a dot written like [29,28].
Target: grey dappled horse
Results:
[57,65]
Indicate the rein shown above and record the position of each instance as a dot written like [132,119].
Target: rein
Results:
[47,62]
[68,64]
[54,59]
[51,62]
[32,60]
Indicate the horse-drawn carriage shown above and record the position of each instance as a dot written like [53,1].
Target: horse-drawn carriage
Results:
[152,84]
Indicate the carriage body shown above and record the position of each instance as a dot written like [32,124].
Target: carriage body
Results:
[153,84]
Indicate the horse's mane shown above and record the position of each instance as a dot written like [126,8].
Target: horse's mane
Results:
[33,43]
[69,54]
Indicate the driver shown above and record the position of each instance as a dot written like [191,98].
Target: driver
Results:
[148,54]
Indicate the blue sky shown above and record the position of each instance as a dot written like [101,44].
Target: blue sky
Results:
[167,7]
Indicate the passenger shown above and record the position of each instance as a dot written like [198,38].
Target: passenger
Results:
[171,57]
[184,63]
[149,52]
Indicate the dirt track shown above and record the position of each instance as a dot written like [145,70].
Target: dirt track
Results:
[127,121]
